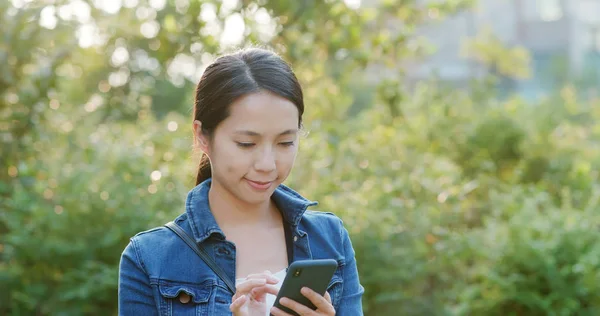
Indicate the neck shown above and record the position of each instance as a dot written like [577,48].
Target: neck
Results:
[230,211]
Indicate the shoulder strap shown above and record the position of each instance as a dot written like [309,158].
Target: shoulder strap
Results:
[202,254]
[289,243]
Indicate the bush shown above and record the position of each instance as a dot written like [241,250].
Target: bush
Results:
[465,209]
[458,203]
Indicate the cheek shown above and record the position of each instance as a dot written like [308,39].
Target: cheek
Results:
[235,163]
[230,160]
[230,168]
[286,159]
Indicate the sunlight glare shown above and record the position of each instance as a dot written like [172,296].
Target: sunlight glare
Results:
[208,12]
[130,3]
[353,4]
[108,6]
[158,4]
[228,6]
[262,16]
[149,29]
[48,17]
[142,13]
[20,3]
[88,35]
[119,56]
[233,34]
[172,126]
[155,175]
[266,26]
[182,6]
[182,65]
[196,48]
[76,9]
[93,103]
[119,78]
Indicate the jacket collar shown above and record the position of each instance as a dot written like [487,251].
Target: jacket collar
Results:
[291,204]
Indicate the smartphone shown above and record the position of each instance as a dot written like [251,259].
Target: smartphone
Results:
[314,274]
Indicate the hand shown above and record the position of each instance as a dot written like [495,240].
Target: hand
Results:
[323,304]
[250,295]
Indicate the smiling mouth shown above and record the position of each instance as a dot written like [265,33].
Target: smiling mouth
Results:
[260,182]
[259,185]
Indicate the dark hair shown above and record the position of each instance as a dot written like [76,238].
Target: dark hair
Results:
[234,75]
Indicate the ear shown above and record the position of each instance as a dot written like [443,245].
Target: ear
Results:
[200,138]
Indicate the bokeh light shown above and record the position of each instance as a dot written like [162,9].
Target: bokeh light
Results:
[155,175]
[172,126]
[456,140]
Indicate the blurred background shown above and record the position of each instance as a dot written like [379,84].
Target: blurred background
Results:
[458,140]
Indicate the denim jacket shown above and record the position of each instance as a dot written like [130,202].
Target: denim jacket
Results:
[157,267]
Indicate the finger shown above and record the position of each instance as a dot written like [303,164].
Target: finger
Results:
[295,306]
[328,297]
[248,285]
[277,312]
[238,303]
[320,302]
[265,275]
[260,292]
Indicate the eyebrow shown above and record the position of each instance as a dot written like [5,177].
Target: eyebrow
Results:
[252,133]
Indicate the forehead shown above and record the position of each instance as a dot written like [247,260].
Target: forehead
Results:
[262,112]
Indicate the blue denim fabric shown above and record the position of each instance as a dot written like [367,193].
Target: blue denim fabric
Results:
[156,266]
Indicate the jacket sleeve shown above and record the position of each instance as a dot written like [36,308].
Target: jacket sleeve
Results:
[351,301]
[135,292]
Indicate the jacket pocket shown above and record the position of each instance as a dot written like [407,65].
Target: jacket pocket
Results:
[336,287]
[185,298]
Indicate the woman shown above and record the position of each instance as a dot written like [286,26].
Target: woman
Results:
[247,118]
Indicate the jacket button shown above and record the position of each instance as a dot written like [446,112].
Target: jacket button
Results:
[295,238]
[184,298]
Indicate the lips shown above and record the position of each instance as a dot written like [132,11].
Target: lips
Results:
[261,182]
[259,185]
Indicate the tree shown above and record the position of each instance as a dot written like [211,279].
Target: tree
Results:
[95,137]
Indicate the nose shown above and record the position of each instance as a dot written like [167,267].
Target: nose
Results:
[265,162]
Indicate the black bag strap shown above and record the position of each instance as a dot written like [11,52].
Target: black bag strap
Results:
[202,254]
[289,242]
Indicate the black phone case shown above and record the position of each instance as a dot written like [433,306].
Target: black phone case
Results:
[314,274]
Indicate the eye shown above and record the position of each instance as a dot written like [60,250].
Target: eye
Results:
[287,144]
[245,145]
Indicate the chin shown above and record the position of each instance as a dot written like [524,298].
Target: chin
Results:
[254,197]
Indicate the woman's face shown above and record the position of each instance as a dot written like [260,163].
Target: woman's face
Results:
[253,150]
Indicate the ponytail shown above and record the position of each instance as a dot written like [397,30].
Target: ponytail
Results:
[203,169]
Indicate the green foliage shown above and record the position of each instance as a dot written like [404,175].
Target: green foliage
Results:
[457,203]
[489,49]
[539,260]
[453,212]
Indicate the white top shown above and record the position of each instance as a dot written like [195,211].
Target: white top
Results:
[270,298]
